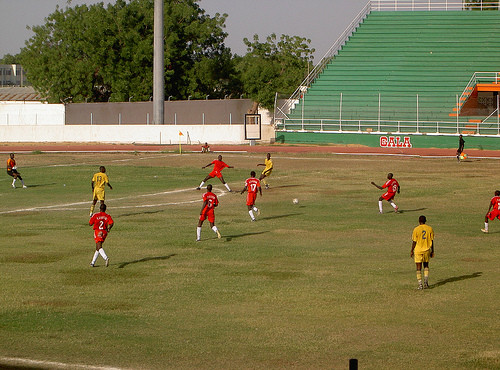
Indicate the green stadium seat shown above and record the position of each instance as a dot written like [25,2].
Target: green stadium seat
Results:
[399,55]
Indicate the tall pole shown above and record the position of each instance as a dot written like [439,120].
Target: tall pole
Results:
[158,65]
[498,115]
[379,108]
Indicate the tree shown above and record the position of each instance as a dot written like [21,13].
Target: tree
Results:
[9,59]
[274,66]
[93,53]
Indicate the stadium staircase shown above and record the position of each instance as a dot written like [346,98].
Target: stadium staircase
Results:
[405,65]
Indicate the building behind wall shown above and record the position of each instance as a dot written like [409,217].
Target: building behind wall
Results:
[12,75]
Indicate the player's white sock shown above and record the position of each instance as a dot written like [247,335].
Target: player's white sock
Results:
[103,254]
[96,254]
[227,186]
[22,182]
[426,275]
[13,182]
[201,185]
[393,204]
[215,229]
[380,206]
[198,233]
[486,226]
[251,215]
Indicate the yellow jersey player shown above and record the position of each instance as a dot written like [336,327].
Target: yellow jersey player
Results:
[267,170]
[99,181]
[422,249]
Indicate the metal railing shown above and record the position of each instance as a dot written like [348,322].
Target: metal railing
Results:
[400,112]
[431,5]
[477,78]
[387,127]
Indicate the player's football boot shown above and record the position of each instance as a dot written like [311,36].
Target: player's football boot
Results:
[218,234]
[396,209]
[107,262]
[420,286]
[484,231]
[426,285]
[24,186]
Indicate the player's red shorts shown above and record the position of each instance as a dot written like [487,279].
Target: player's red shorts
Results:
[210,214]
[251,197]
[388,196]
[493,214]
[100,235]
[215,174]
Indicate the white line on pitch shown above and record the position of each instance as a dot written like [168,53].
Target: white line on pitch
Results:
[14,361]
[68,206]
[111,161]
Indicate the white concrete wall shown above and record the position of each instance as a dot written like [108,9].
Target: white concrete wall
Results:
[144,134]
[31,113]
[40,122]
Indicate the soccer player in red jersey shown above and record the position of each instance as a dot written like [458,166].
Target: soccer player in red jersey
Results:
[12,171]
[102,223]
[492,213]
[205,148]
[210,201]
[392,187]
[252,185]
[216,172]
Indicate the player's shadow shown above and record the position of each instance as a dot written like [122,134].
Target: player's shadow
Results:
[283,186]
[411,210]
[41,185]
[146,259]
[280,216]
[456,278]
[141,213]
[234,236]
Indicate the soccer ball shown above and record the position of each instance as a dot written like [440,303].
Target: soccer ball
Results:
[463,156]
[295,201]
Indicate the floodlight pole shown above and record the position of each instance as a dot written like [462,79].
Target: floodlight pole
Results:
[158,66]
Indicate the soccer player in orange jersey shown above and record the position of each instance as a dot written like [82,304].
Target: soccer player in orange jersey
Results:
[205,148]
[492,213]
[392,187]
[219,165]
[210,201]
[252,185]
[102,223]
[12,171]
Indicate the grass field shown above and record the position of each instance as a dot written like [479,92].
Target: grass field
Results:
[307,286]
